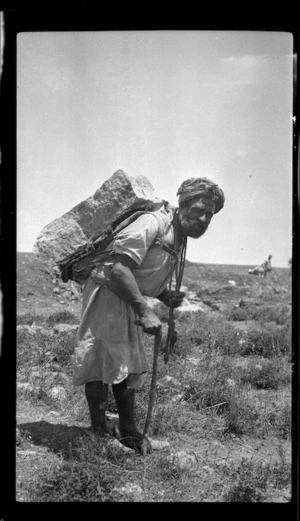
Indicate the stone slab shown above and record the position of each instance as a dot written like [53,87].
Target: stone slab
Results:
[73,229]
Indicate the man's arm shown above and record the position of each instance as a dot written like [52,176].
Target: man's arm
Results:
[123,282]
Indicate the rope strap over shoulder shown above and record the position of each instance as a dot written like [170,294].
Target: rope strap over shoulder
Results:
[180,252]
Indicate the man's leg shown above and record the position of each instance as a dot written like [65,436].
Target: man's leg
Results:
[97,395]
[130,436]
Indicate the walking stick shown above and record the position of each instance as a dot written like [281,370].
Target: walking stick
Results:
[157,343]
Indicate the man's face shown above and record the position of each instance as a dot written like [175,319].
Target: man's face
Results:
[196,216]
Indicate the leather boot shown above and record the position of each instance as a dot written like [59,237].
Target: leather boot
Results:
[125,398]
[97,395]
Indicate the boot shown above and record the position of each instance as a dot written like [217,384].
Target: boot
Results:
[125,398]
[97,395]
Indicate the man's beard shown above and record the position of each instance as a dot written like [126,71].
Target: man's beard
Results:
[192,227]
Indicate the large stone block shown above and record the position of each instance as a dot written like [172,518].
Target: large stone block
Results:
[119,192]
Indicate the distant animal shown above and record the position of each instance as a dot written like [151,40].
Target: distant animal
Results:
[258,270]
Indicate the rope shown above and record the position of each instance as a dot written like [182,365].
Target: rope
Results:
[180,248]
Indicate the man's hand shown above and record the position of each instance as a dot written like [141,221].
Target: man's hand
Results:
[149,322]
[170,298]
[123,283]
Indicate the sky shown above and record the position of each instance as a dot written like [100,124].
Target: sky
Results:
[169,105]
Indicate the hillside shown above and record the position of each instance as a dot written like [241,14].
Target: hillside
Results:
[223,400]
[36,283]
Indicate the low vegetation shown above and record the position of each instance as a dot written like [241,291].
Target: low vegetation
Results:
[223,401]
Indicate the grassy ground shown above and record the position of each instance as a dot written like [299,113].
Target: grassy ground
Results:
[223,401]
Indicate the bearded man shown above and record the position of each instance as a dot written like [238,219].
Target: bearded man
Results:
[115,315]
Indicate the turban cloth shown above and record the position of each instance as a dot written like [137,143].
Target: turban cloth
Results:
[201,186]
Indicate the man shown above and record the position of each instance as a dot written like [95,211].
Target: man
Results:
[115,314]
[267,266]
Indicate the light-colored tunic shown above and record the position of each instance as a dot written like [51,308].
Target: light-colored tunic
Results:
[110,346]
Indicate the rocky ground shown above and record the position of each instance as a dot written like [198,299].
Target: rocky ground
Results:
[50,430]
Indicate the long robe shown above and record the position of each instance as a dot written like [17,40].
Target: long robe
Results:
[110,346]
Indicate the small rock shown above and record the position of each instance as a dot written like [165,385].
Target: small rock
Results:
[24,386]
[232,282]
[194,361]
[171,380]
[208,469]
[52,366]
[183,460]
[58,393]
[130,491]
[230,382]
[177,398]
[64,328]
[25,327]
[192,295]
[186,306]
[48,379]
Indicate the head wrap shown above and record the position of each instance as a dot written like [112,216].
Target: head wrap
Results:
[201,186]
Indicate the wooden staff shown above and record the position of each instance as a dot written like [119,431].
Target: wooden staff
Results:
[157,343]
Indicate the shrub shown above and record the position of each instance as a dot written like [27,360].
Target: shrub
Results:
[215,333]
[89,473]
[249,482]
[241,416]
[238,315]
[266,343]
[214,384]
[210,332]
[73,481]
[32,348]
[40,347]
[62,347]
[266,374]
[61,317]
[279,417]
[42,363]
[28,319]
[280,314]
[282,470]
